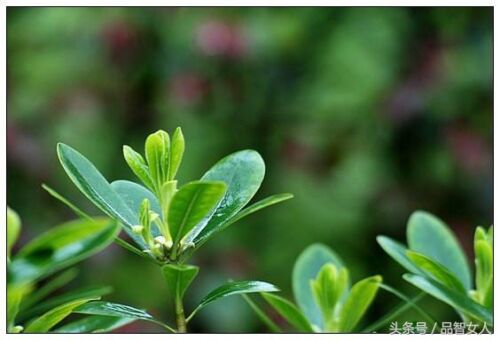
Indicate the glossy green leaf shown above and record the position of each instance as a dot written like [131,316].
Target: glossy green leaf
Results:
[48,320]
[105,308]
[77,294]
[430,236]
[243,172]
[483,249]
[306,268]
[52,285]
[66,202]
[176,153]
[266,202]
[359,299]
[289,312]
[96,188]
[453,298]
[13,229]
[138,166]
[179,277]
[436,271]
[191,204]
[398,252]
[61,247]
[95,324]
[232,288]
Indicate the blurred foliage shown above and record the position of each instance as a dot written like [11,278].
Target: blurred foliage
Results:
[365,114]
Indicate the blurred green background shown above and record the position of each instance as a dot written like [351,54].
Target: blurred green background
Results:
[365,114]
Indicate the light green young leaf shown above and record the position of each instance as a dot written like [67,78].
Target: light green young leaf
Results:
[359,299]
[398,252]
[430,236]
[327,289]
[95,324]
[178,278]
[436,271]
[176,153]
[13,229]
[453,298]
[138,166]
[243,172]
[483,249]
[306,268]
[190,204]
[232,288]
[61,247]
[15,295]
[289,312]
[48,320]
[157,149]
[97,189]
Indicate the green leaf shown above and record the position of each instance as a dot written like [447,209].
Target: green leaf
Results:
[95,324]
[66,202]
[15,295]
[430,236]
[359,299]
[436,271]
[262,316]
[232,288]
[58,300]
[179,277]
[306,268]
[133,195]
[13,229]
[105,308]
[138,166]
[488,295]
[453,298]
[48,320]
[54,284]
[191,204]
[243,172]
[289,312]
[398,252]
[266,202]
[157,150]
[328,288]
[483,250]
[61,247]
[176,153]
[97,189]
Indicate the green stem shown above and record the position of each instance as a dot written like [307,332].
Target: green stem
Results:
[179,315]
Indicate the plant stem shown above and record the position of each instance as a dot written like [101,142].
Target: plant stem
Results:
[179,316]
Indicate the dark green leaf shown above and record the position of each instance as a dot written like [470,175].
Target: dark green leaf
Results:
[95,324]
[179,277]
[48,320]
[360,298]
[232,288]
[460,302]
[191,204]
[243,173]
[436,271]
[96,188]
[61,247]
[289,311]
[306,268]
[430,236]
